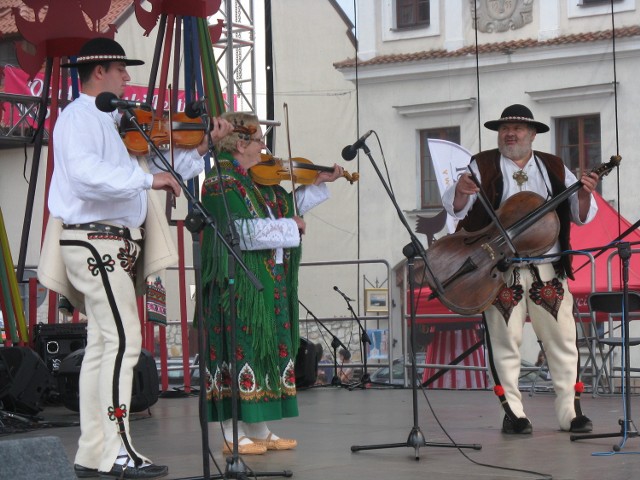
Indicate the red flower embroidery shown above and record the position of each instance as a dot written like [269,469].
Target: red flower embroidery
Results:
[239,353]
[287,326]
[246,381]
[283,350]
[498,390]
[579,388]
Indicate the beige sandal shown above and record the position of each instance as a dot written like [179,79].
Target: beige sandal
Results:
[246,449]
[279,444]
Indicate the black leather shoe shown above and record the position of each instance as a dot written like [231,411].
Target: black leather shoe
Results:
[581,424]
[84,472]
[522,426]
[150,471]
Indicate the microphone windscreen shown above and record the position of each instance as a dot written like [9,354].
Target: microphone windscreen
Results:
[349,153]
[193,109]
[104,102]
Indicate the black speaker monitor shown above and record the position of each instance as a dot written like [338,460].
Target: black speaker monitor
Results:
[24,379]
[55,341]
[146,383]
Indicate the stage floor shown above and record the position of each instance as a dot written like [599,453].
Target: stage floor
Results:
[332,420]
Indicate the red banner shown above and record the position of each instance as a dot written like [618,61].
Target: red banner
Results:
[16,81]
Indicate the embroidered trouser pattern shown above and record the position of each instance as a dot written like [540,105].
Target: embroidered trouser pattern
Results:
[552,321]
[102,268]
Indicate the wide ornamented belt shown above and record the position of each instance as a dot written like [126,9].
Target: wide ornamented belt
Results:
[133,234]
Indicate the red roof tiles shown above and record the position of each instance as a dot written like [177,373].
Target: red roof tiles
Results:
[491,48]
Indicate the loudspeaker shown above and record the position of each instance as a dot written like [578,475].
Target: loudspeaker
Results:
[146,384]
[55,341]
[307,359]
[42,458]
[24,379]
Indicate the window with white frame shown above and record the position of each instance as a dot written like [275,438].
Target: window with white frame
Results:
[405,19]
[412,13]
[586,8]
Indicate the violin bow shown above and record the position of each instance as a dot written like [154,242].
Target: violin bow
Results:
[291,177]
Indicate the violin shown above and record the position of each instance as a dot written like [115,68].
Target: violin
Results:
[466,269]
[186,132]
[272,170]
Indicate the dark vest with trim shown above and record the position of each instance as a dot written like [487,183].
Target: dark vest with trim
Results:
[493,184]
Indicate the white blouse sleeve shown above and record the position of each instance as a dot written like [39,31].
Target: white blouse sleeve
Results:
[310,196]
[188,163]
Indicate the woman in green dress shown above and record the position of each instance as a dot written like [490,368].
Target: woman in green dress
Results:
[267,336]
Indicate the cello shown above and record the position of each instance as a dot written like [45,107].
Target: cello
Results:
[466,269]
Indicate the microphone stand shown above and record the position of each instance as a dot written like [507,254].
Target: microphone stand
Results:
[335,343]
[416,438]
[627,427]
[197,220]
[365,379]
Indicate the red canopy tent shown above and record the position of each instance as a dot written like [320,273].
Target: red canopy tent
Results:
[601,231]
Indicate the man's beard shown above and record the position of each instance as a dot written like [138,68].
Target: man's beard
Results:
[515,151]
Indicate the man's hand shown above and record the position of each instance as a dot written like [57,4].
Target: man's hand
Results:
[165,181]
[220,128]
[589,184]
[464,187]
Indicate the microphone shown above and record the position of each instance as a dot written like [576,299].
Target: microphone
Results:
[196,109]
[350,151]
[108,102]
[340,292]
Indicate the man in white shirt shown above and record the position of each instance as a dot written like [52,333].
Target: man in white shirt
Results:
[536,289]
[102,196]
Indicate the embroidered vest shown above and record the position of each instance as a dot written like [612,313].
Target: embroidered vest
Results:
[493,185]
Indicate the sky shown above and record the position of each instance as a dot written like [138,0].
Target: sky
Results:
[348,7]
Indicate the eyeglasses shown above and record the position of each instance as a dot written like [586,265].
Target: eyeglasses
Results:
[257,140]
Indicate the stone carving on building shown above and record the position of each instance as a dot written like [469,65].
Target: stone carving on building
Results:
[501,15]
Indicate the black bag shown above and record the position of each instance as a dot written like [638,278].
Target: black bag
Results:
[307,359]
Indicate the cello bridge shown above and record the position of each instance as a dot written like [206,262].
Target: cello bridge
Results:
[489,251]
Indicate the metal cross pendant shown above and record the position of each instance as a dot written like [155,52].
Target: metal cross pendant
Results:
[520,177]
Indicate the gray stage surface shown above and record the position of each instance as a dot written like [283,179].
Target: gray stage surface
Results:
[333,419]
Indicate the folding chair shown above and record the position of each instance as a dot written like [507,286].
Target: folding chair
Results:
[610,303]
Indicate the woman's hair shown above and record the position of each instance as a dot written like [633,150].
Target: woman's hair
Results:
[245,124]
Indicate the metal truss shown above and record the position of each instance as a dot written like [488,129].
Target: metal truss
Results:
[236,62]
[19,115]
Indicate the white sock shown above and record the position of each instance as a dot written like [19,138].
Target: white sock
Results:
[227,428]
[259,430]
[123,456]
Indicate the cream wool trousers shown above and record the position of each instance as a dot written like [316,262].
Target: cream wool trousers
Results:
[101,267]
